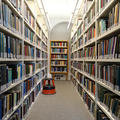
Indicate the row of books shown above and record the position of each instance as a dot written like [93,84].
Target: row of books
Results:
[90,85]
[9,73]
[112,19]
[38,30]
[59,56]
[61,44]
[90,34]
[59,50]
[101,115]
[80,54]
[90,52]
[90,16]
[28,16]
[38,65]
[28,85]
[20,113]
[78,65]
[109,48]
[29,68]
[29,35]
[9,19]
[102,3]
[89,102]
[80,30]
[58,62]
[17,4]
[9,100]
[38,53]
[80,78]
[86,5]
[28,51]
[27,103]
[17,114]
[110,101]
[90,68]
[58,69]
[109,74]
[10,47]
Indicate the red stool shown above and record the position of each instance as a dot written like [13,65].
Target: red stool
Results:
[49,88]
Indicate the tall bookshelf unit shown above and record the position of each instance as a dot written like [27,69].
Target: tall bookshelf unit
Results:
[59,58]
[95,59]
[23,59]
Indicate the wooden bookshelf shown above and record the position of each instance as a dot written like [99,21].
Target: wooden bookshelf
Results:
[84,41]
[59,48]
[24,21]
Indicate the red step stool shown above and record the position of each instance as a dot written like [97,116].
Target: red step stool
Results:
[48,89]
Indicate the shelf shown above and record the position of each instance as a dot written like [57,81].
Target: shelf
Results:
[14,109]
[57,53]
[38,59]
[89,8]
[10,59]
[58,47]
[59,59]
[78,59]
[90,42]
[108,60]
[10,32]
[90,25]
[105,111]
[58,65]
[110,31]
[107,8]
[19,81]
[90,94]
[13,8]
[29,42]
[30,27]
[108,87]
[89,59]
[29,59]
[59,41]
[59,73]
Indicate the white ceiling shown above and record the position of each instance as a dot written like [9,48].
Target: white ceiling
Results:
[59,10]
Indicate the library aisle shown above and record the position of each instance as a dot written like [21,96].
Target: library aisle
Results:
[65,105]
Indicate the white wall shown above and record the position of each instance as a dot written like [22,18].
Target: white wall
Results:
[60,32]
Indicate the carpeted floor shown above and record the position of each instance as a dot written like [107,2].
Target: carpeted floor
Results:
[66,104]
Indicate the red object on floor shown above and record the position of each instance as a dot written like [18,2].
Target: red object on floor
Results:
[49,88]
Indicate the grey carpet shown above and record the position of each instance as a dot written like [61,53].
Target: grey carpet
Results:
[66,104]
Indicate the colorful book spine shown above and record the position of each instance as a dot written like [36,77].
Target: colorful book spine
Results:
[90,68]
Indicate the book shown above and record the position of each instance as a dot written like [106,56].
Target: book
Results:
[29,68]
[58,69]
[29,16]
[29,34]
[10,47]
[90,85]
[89,68]
[101,115]
[9,100]
[10,19]
[90,34]
[109,75]
[28,52]
[89,52]
[110,100]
